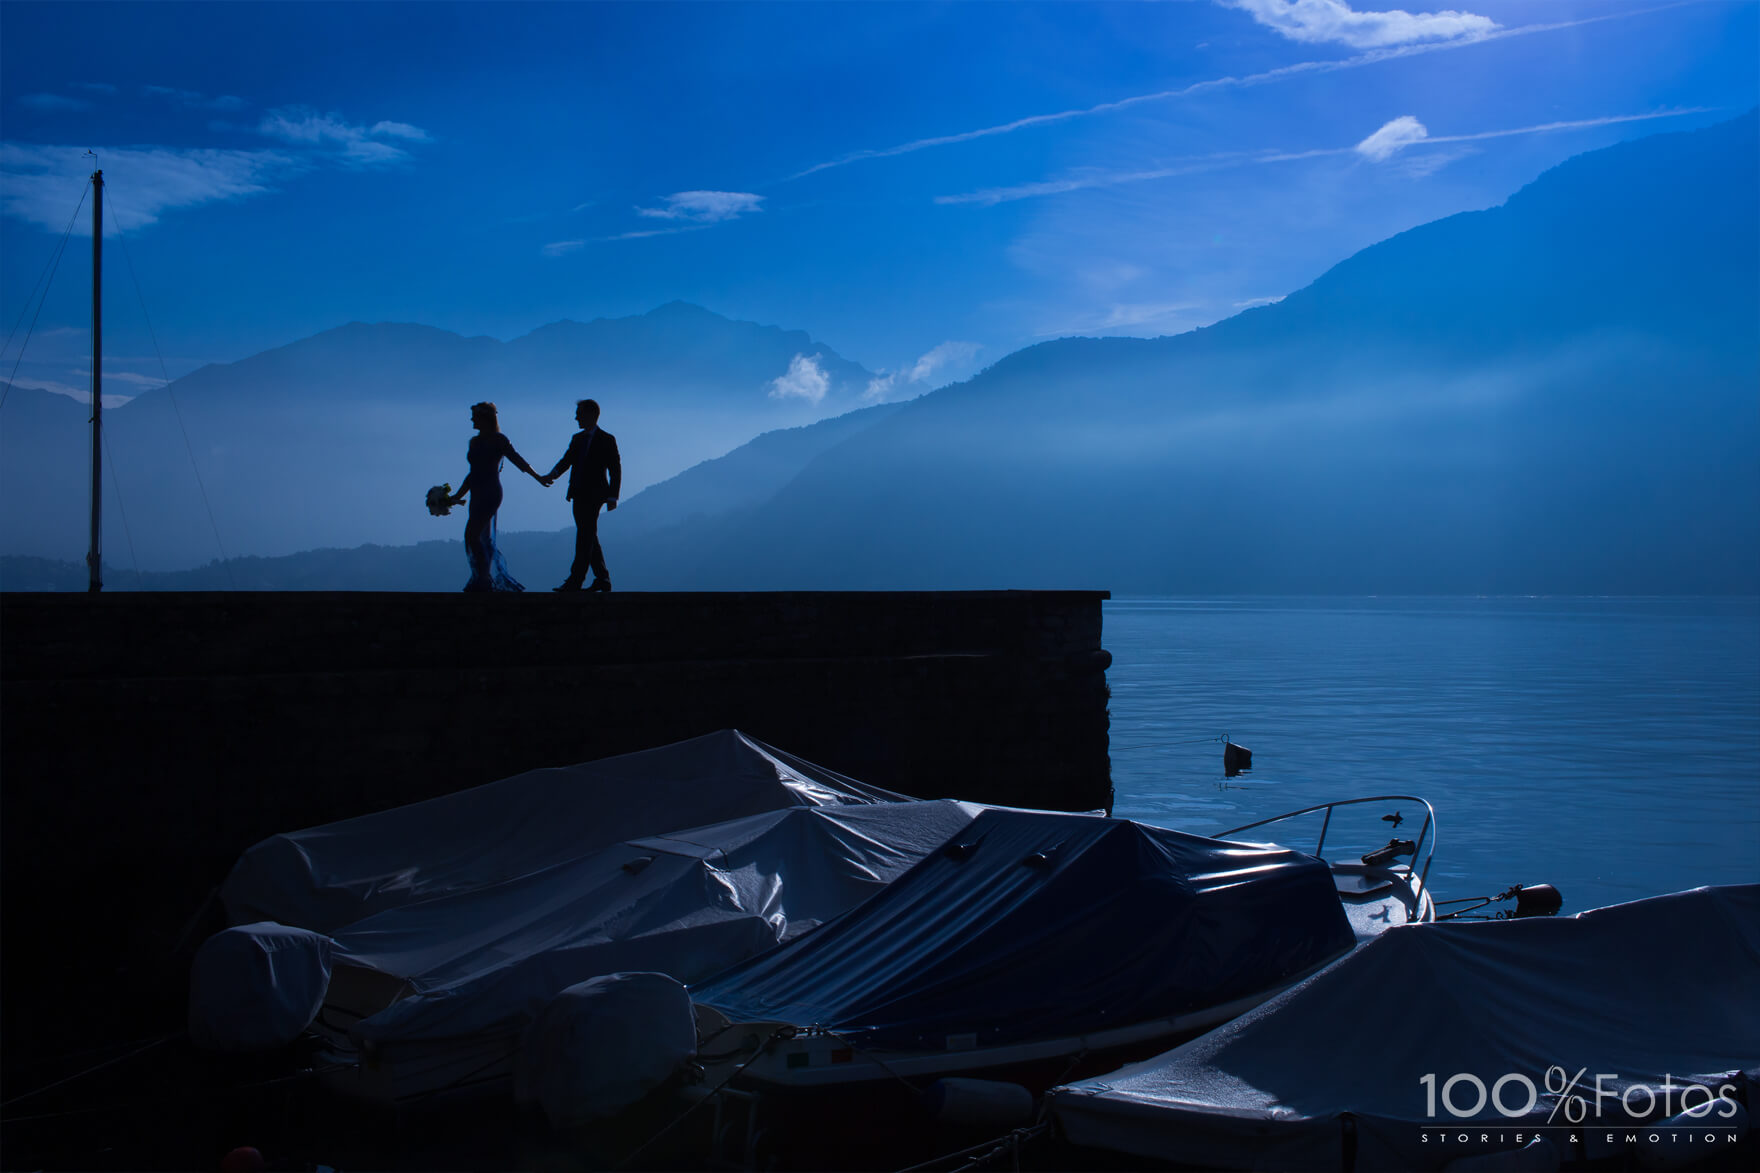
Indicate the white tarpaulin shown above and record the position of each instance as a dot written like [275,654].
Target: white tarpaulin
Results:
[326,877]
[1352,1068]
[687,904]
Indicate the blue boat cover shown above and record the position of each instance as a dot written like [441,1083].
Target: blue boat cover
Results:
[1442,1041]
[1031,925]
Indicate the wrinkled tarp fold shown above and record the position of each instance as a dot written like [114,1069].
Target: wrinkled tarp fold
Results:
[325,877]
[1651,990]
[1034,924]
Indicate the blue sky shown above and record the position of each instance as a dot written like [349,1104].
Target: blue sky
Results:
[924,187]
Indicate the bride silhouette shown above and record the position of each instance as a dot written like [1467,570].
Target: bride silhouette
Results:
[483,485]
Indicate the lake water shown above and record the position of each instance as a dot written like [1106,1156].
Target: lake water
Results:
[1610,747]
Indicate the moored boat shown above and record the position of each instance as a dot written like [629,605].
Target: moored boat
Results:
[1622,1035]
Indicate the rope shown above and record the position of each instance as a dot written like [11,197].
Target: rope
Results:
[986,1150]
[135,1104]
[1162,744]
[176,409]
[781,1032]
[93,1069]
[51,268]
[876,1060]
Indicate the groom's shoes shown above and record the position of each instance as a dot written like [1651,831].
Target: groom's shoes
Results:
[600,584]
[568,585]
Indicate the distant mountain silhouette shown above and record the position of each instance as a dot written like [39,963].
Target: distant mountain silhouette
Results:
[332,440]
[1561,394]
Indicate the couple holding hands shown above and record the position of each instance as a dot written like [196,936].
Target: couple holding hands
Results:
[595,475]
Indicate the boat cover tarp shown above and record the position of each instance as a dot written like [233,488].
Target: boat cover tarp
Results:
[326,877]
[1656,988]
[603,1044]
[256,987]
[687,904]
[1035,925]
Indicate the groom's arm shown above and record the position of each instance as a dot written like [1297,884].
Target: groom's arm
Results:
[563,464]
[615,464]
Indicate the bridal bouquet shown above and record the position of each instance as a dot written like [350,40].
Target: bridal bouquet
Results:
[440,500]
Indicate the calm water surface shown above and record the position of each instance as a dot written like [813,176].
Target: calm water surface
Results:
[1608,746]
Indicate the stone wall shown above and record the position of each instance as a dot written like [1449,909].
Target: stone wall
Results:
[147,739]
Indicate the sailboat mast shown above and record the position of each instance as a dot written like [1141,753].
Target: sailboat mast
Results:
[93,559]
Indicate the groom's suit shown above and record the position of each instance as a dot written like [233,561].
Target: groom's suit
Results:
[595,476]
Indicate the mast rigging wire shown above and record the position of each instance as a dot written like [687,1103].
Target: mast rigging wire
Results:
[225,561]
[53,266]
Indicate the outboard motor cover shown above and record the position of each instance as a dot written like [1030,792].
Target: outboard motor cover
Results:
[603,1044]
[256,987]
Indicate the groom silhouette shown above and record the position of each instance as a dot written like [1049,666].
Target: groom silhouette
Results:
[595,480]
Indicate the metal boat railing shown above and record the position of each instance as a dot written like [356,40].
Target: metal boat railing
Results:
[1423,847]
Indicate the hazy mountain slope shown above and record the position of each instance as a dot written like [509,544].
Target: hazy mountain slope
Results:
[332,440]
[748,476]
[651,533]
[1559,394]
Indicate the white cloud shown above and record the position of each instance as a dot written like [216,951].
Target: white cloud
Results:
[1323,21]
[949,356]
[805,379]
[559,248]
[1393,137]
[51,102]
[1254,302]
[705,207]
[43,184]
[362,145]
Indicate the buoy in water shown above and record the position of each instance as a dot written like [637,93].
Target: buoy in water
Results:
[1235,758]
[1537,900]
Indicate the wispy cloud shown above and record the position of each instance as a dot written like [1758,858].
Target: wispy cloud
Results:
[1267,77]
[43,184]
[642,233]
[403,130]
[1392,138]
[938,362]
[989,196]
[805,379]
[1334,21]
[1123,316]
[705,207]
[83,394]
[354,143]
[51,103]
[561,248]
[1254,302]
[96,87]
[193,99]
[1407,131]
